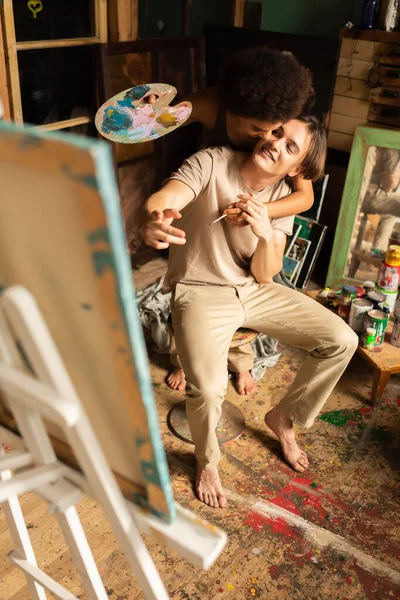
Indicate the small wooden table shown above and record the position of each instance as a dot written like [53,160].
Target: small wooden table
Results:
[384,359]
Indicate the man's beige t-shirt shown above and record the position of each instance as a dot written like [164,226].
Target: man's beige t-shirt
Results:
[218,254]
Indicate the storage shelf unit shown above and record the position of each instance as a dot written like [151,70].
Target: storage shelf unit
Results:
[367,86]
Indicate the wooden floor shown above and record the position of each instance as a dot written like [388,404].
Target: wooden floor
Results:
[332,533]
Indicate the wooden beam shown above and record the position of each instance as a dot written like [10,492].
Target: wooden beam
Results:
[64,124]
[186,4]
[4,83]
[12,59]
[40,44]
[238,13]
[123,20]
[100,19]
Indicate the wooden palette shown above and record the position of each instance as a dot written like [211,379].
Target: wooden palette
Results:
[128,117]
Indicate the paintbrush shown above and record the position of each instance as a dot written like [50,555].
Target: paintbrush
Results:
[219,219]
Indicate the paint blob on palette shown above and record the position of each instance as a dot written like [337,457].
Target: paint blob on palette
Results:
[141,114]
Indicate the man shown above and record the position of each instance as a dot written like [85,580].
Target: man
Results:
[382,195]
[221,279]
[259,90]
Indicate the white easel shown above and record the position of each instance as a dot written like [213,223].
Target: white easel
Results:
[51,395]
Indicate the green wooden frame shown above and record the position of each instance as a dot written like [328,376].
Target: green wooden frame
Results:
[364,138]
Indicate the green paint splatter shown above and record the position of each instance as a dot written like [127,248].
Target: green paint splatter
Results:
[339,418]
[29,140]
[314,485]
[150,472]
[103,261]
[140,441]
[25,358]
[89,180]
[86,306]
[100,235]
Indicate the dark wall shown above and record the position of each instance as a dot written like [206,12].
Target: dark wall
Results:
[308,17]
[317,53]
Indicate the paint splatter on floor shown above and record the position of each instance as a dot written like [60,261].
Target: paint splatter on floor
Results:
[351,491]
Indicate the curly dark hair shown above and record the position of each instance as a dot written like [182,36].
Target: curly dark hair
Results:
[266,84]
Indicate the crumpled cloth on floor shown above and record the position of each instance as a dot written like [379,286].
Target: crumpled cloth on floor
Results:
[154,308]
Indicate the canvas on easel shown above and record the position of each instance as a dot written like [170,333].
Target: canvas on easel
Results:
[61,236]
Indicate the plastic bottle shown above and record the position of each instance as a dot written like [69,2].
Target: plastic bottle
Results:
[389,273]
[369,14]
[369,338]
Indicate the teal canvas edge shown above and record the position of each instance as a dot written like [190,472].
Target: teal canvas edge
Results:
[109,194]
[364,138]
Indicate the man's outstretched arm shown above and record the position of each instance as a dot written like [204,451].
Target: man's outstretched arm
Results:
[158,212]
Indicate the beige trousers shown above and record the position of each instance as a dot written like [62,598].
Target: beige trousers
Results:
[239,359]
[205,318]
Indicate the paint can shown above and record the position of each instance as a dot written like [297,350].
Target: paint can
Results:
[358,308]
[389,276]
[322,296]
[395,337]
[368,286]
[376,298]
[395,239]
[378,320]
[332,300]
[348,294]
[368,338]
[396,311]
[360,292]
[390,299]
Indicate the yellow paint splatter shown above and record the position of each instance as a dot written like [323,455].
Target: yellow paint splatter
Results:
[254,580]
[229,586]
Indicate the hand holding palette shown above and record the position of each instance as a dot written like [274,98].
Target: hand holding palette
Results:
[141,114]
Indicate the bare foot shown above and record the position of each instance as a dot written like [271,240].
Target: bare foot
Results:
[208,487]
[176,380]
[245,383]
[283,428]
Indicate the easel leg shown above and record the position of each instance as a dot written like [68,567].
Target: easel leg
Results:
[81,553]
[378,385]
[19,533]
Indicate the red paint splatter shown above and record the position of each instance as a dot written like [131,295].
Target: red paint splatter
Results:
[349,579]
[218,581]
[284,502]
[298,495]
[367,410]
[186,491]
[374,586]
[275,571]
[259,522]
[255,520]
[307,482]
[220,590]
